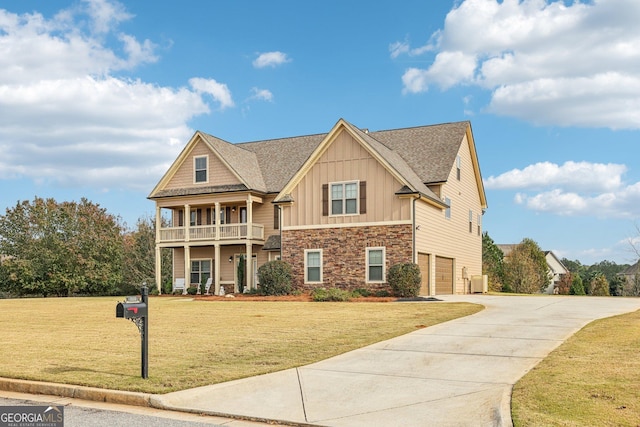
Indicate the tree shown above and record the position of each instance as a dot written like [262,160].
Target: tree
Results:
[564,284]
[492,263]
[140,255]
[599,285]
[577,288]
[526,269]
[616,286]
[60,248]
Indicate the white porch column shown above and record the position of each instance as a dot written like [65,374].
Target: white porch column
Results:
[249,266]
[187,268]
[158,272]
[216,268]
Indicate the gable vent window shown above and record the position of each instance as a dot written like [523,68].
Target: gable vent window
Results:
[200,168]
[458,166]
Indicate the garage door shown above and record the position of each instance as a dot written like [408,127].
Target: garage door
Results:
[423,264]
[444,276]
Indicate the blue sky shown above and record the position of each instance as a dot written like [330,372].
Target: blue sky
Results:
[97,97]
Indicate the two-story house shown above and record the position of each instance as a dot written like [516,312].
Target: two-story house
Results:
[340,207]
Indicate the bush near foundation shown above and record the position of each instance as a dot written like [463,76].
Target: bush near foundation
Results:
[404,279]
[275,278]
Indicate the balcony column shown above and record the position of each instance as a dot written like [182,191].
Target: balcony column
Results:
[158,272]
[249,217]
[187,268]
[187,222]
[216,221]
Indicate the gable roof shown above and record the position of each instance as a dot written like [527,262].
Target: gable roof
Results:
[417,156]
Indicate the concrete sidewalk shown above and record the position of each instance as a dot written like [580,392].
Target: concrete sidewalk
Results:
[459,373]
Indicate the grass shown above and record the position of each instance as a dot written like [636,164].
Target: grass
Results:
[193,343]
[593,379]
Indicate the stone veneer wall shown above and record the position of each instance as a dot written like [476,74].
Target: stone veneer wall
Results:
[344,253]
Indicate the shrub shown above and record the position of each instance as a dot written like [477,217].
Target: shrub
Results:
[577,288]
[275,278]
[405,279]
[361,292]
[192,290]
[331,294]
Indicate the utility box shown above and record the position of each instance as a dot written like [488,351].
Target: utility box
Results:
[480,284]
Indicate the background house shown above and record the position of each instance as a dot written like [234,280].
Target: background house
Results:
[340,207]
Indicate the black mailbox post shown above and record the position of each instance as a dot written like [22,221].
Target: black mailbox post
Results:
[136,310]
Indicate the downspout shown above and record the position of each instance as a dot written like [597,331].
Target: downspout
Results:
[413,231]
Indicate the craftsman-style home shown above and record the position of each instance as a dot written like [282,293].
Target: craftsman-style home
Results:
[341,208]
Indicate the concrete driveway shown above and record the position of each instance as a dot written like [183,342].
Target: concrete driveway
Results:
[458,373]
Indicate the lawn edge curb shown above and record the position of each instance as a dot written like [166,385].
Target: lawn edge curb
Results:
[76,392]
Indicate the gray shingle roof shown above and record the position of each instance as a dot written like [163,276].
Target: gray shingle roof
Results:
[428,152]
[421,155]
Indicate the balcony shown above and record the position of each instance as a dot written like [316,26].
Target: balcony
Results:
[211,232]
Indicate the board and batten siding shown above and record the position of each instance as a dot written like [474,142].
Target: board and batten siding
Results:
[346,160]
[450,238]
[218,173]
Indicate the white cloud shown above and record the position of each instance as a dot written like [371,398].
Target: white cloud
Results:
[65,116]
[219,91]
[572,189]
[270,59]
[557,63]
[583,176]
[261,94]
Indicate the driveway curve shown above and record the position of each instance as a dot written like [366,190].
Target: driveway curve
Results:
[458,373]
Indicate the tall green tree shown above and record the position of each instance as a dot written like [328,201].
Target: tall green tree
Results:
[492,263]
[140,254]
[526,269]
[60,248]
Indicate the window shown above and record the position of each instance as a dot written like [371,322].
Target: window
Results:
[193,219]
[479,224]
[447,211]
[200,271]
[458,166]
[375,264]
[470,221]
[200,168]
[243,215]
[344,198]
[313,265]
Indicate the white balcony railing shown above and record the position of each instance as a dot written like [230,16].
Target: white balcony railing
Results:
[208,232]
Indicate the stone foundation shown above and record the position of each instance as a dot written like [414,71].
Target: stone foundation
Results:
[344,253]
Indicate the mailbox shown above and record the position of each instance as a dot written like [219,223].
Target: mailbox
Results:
[134,308]
[131,310]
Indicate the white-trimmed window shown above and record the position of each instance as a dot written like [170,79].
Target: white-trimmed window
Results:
[313,265]
[344,198]
[447,211]
[479,224]
[200,270]
[458,167]
[470,221]
[200,169]
[375,265]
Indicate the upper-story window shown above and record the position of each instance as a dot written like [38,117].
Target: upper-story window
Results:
[458,166]
[200,169]
[344,198]
[447,211]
